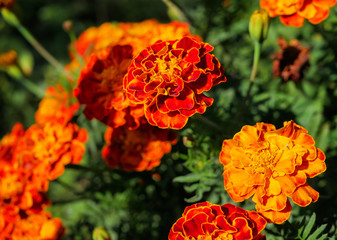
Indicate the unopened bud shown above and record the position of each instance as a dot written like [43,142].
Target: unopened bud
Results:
[100,233]
[67,25]
[259,25]
[10,17]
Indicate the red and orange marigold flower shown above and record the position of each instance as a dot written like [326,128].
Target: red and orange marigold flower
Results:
[293,12]
[272,165]
[137,150]
[100,88]
[170,78]
[206,221]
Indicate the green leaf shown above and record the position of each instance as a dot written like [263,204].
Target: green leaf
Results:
[323,237]
[317,232]
[309,226]
[189,178]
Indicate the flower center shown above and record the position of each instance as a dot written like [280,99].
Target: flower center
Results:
[168,69]
[223,236]
[262,161]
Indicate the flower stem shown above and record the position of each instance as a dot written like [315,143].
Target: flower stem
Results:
[257,53]
[14,21]
[16,73]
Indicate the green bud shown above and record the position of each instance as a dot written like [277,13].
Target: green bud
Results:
[100,233]
[259,25]
[10,17]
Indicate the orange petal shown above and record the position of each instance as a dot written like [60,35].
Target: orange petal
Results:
[294,20]
[304,195]
[277,217]
[290,182]
[313,168]
[321,15]
[237,179]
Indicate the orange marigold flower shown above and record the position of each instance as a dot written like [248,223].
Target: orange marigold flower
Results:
[138,35]
[137,150]
[57,105]
[271,165]
[46,149]
[100,88]
[38,226]
[15,211]
[293,12]
[169,78]
[9,143]
[290,61]
[206,221]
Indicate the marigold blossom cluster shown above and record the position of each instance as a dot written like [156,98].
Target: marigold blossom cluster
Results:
[293,12]
[206,221]
[111,60]
[272,165]
[30,159]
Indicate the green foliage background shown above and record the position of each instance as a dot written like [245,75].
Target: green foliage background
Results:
[135,205]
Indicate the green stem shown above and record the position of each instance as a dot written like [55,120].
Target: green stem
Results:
[16,73]
[257,53]
[14,21]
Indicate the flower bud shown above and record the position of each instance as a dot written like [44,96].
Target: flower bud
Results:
[259,25]
[100,233]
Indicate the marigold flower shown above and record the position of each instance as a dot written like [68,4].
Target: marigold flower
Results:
[169,78]
[206,221]
[137,150]
[293,12]
[9,143]
[100,88]
[290,61]
[46,149]
[57,105]
[19,212]
[38,226]
[138,35]
[271,165]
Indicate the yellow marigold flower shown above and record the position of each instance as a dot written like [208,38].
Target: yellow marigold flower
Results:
[8,58]
[271,165]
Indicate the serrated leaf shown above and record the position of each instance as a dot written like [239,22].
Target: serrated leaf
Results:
[309,226]
[317,232]
[189,178]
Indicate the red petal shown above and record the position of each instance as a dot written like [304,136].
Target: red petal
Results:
[184,101]
[192,56]
[187,43]
[193,227]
